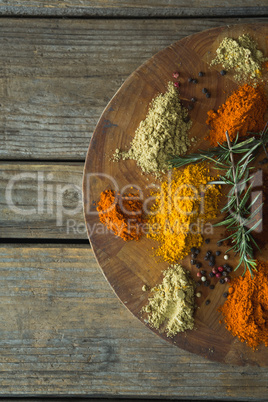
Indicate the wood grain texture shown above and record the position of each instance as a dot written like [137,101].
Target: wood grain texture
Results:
[130,265]
[56,77]
[140,8]
[64,332]
[41,201]
[86,399]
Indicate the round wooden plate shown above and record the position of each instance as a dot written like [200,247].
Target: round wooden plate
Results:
[129,265]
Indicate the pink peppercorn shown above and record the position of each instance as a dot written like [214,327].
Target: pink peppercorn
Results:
[218,275]
[214,270]
[220,269]
[176,84]
[199,274]
[227,279]
[176,74]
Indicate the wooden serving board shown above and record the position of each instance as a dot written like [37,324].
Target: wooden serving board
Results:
[129,265]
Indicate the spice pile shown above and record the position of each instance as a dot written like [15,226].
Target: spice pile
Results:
[243,112]
[246,309]
[122,215]
[220,273]
[241,55]
[172,304]
[188,198]
[181,208]
[163,132]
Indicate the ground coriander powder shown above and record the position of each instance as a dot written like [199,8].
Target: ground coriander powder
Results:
[242,55]
[162,133]
[172,303]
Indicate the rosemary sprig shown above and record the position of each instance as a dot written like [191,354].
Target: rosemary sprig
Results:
[238,220]
[246,147]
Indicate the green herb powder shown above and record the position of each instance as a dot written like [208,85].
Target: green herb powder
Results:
[241,55]
[172,304]
[164,132]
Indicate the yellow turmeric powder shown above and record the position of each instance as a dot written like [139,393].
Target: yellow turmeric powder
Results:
[181,207]
[246,308]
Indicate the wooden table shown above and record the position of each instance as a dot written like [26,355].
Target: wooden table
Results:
[63,331]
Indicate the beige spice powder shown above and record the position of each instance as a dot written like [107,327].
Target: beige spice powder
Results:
[172,303]
[241,55]
[164,132]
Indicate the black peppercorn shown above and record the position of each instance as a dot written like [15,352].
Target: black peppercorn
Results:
[218,252]
[198,265]
[224,273]
[263,161]
[207,301]
[194,255]
[211,263]
[219,243]
[195,81]
[208,95]
[203,272]
[211,274]
[193,99]
[186,119]
[201,74]
[190,107]
[193,262]
[212,287]
[190,79]
[222,281]
[211,258]
[225,294]
[207,283]
[222,72]
[207,241]
[197,251]
[193,249]
[209,253]
[204,90]
[206,258]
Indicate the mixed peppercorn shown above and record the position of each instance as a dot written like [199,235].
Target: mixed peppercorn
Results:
[221,273]
[192,80]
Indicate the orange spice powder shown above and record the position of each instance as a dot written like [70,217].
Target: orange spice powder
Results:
[122,215]
[245,311]
[242,112]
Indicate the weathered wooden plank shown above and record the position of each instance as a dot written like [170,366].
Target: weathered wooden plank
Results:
[56,77]
[64,332]
[140,8]
[41,201]
[86,399]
